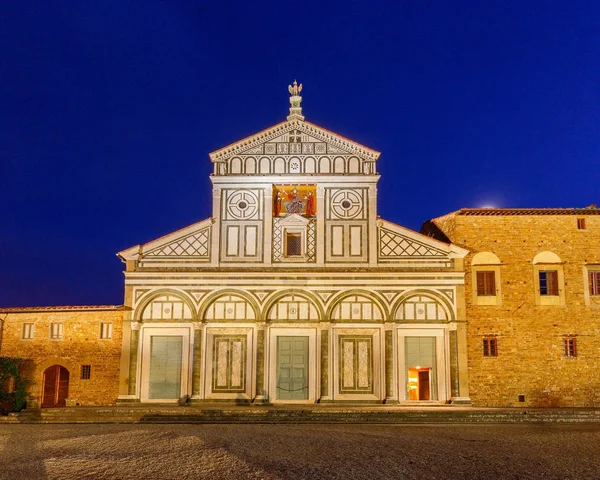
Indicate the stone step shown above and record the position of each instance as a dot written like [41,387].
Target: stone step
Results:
[291,416]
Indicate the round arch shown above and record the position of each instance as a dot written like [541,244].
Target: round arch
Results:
[172,302]
[485,258]
[546,257]
[426,299]
[235,305]
[352,300]
[300,300]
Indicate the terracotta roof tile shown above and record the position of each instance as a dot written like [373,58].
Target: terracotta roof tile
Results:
[57,308]
[528,211]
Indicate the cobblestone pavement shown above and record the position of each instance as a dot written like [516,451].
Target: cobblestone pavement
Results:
[299,451]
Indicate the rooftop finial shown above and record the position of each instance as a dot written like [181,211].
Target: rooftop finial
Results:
[295,101]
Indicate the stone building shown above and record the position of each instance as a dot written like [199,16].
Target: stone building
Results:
[294,290]
[75,352]
[532,299]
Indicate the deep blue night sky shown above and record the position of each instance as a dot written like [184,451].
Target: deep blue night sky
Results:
[108,111]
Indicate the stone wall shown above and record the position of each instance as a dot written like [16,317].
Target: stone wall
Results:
[80,345]
[531,359]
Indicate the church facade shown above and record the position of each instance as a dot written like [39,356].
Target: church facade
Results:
[295,291]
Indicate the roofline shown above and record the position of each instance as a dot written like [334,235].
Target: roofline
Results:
[64,308]
[591,210]
[452,247]
[251,138]
[139,249]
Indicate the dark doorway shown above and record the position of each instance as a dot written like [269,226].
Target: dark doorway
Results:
[55,387]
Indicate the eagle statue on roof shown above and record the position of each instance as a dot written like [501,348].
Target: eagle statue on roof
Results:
[295,89]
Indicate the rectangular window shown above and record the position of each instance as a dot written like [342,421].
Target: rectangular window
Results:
[581,223]
[490,347]
[486,284]
[293,244]
[86,372]
[56,331]
[27,331]
[106,330]
[570,344]
[594,281]
[548,282]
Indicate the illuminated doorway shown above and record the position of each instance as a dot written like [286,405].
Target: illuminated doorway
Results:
[55,387]
[419,383]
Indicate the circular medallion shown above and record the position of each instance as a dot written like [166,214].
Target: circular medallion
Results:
[347,204]
[242,205]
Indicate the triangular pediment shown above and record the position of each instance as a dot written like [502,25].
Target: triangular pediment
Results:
[192,242]
[397,243]
[295,138]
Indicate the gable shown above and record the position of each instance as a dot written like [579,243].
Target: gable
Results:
[399,244]
[190,244]
[294,147]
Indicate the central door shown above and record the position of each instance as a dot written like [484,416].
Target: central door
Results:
[165,367]
[292,368]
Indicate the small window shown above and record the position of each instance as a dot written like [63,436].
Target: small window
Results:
[490,347]
[293,244]
[27,331]
[548,282]
[106,331]
[594,281]
[56,331]
[486,284]
[570,344]
[581,223]
[86,372]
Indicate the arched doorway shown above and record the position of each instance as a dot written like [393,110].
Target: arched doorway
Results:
[55,387]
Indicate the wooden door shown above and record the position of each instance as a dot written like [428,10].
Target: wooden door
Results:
[292,368]
[424,384]
[55,387]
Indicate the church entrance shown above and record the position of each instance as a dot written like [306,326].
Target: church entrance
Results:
[165,362]
[292,368]
[164,380]
[55,387]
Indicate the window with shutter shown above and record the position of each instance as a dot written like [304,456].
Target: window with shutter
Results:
[486,284]
[548,282]
[594,282]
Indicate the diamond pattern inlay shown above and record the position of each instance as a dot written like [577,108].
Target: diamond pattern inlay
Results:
[392,244]
[195,245]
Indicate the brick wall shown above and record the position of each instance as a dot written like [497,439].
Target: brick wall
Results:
[80,345]
[531,358]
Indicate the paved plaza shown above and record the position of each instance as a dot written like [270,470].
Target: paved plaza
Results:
[299,451]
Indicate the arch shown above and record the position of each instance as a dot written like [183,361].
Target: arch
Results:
[324,165]
[339,165]
[546,257]
[235,165]
[165,304]
[264,166]
[420,304]
[279,165]
[296,305]
[229,304]
[357,305]
[310,165]
[354,165]
[55,386]
[250,166]
[485,258]
[295,165]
